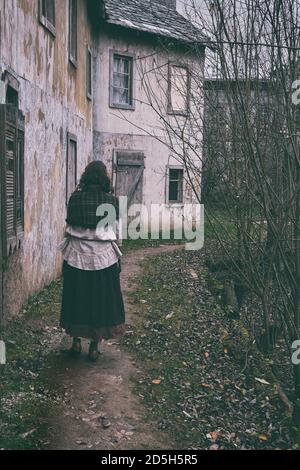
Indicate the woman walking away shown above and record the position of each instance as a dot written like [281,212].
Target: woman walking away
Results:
[92,303]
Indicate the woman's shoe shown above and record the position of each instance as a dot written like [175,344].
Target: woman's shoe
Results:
[93,352]
[76,347]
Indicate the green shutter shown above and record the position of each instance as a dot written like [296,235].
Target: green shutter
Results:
[12,175]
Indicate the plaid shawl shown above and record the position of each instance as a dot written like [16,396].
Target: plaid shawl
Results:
[83,205]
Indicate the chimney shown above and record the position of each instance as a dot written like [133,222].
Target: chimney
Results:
[172,4]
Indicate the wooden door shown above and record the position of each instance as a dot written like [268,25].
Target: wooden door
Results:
[129,176]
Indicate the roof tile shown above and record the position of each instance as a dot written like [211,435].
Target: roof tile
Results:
[152,17]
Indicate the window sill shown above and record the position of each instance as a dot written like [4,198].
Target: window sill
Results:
[48,26]
[174,204]
[122,106]
[73,62]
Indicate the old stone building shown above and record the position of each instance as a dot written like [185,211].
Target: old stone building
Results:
[83,80]
[149,65]
[44,51]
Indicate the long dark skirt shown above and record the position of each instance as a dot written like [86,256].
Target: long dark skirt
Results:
[92,303]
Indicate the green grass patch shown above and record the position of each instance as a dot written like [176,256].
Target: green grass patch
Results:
[27,396]
[193,381]
[131,245]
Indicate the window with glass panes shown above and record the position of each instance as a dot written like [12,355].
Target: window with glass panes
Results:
[73,25]
[178,89]
[89,72]
[47,14]
[175,193]
[71,165]
[122,81]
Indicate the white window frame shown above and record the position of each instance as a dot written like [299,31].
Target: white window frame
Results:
[89,72]
[171,110]
[168,201]
[44,20]
[131,57]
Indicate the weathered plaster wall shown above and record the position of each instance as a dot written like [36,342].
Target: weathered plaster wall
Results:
[53,99]
[143,129]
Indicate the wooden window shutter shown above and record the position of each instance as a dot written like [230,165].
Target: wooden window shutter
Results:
[20,173]
[12,175]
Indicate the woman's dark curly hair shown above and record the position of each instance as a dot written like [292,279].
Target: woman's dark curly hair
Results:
[95,174]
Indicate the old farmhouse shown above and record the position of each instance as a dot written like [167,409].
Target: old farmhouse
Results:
[82,80]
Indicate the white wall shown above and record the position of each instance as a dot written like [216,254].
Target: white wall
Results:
[53,98]
[141,129]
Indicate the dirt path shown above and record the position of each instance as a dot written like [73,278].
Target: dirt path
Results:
[101,410]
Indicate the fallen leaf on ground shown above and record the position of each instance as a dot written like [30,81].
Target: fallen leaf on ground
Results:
[193,274]
[28,433]
[214,447]
[81,443]
[262,381]
[205,385]
[213,436]
[169,316]
[156,381]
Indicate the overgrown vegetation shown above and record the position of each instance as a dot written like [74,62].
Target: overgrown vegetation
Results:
[27,397]
[204,380]
[131,245]
[245,150]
